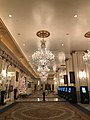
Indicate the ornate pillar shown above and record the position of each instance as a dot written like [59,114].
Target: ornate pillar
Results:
[78,65]
[68,69]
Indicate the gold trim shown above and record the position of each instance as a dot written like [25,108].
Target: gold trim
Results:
[87,34]
[8,41]
[43,33]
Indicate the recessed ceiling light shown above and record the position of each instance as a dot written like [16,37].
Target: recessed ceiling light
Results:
[62,44]
[23,44]
[75,16]
[10,15]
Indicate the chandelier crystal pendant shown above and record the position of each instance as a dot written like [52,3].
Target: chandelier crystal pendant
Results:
[43,69]
[86,57]
[42,57]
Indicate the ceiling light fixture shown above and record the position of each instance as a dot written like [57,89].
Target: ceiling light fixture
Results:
[23,44]
[43,56]
[10,15]
[75,16]
[62,44]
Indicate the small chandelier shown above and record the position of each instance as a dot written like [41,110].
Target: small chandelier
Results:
[42,57]
[86,57]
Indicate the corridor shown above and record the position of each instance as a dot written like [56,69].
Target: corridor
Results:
[44,60]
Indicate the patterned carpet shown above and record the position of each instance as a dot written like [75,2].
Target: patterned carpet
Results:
[43,111]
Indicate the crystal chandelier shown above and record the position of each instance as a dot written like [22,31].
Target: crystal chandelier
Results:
[43,69]
[42,57]
[86,57]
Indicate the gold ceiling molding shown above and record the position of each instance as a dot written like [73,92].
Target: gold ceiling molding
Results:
[87,34]
[8,41]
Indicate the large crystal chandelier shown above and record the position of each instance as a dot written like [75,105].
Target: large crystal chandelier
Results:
[42,57]
[86,57]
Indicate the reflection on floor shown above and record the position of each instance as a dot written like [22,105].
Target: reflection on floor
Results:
[38,96]
[40,99]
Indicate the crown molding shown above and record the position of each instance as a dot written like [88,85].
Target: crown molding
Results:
[8,41]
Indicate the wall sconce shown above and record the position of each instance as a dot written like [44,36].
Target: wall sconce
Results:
[4,73]
[62,81]
[55,82]
[82,74]
[54,78]
[38,82]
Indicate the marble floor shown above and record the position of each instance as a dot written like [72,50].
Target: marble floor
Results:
[38,96]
